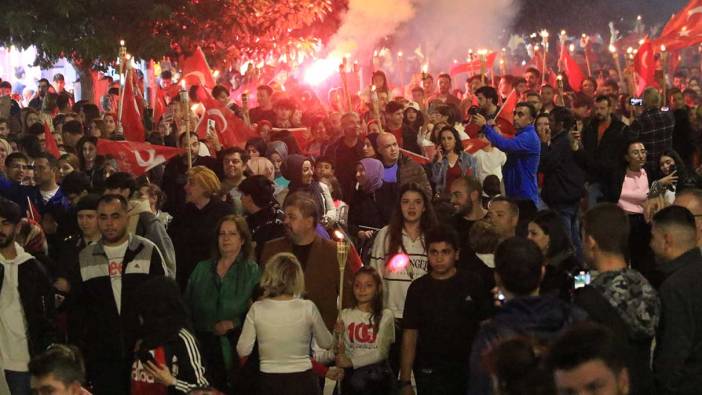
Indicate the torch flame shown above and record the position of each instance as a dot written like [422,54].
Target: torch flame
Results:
[121,43]
[559,77]
[662,47]
[398,262]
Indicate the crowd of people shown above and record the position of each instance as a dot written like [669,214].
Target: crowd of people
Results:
[554,249]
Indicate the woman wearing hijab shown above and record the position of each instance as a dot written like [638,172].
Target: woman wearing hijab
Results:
[367,213]
[277,152]
[300,171]
[167,359]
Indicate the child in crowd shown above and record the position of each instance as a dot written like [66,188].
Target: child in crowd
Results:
[367,331]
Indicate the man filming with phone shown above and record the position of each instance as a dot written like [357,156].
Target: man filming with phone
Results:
[599,147]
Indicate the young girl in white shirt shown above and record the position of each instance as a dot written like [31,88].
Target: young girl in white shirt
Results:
[284,325]
[367,331]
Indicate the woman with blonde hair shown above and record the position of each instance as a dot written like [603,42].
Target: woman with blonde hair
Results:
[284,324]
[5,149]
[193,229]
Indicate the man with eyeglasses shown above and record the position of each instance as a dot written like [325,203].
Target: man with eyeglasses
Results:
[16,169]
[523,150]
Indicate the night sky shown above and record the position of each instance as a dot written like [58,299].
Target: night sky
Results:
[592,15]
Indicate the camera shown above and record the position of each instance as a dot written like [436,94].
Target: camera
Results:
[636,101]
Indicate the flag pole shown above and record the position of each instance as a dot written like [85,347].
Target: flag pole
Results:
[186,107]
[122,75]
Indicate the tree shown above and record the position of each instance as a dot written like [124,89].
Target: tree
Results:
[87,32]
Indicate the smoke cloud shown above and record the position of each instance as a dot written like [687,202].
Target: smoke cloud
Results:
[368,21]
[443,29]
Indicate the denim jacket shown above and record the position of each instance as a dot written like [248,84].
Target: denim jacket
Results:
[439,169]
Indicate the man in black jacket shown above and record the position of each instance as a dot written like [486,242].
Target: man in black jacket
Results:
[563,177]
[111,271]
[346,152]
[601,148]
[677,362]
[619,297]
[264,217]
[26,304]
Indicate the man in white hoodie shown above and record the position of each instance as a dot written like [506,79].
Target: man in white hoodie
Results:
[26,304]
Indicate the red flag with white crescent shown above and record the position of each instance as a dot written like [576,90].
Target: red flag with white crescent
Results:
[682,31]
[231,130]
[196,71]
[134,157]
[645,67]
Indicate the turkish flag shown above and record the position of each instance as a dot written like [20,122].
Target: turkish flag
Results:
[572,69]
[645,67]
[684,29]
[51,146]
[132,123]
[163,97]
[134,157]
[419,159]
[692,11]
[472,146]
[231,130]
[196,71]
[475,66]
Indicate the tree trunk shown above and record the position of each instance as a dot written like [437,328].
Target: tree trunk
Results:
[87,83]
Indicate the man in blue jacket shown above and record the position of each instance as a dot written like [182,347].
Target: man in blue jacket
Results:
[522,151]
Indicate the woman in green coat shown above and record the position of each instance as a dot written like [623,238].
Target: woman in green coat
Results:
[219,293]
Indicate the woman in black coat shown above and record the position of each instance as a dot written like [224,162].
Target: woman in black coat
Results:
[368,213]
[193,230]
[548,232]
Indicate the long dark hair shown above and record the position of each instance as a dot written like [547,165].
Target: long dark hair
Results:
[427,221]
[552,226]
[79,152]
[458,147]
[377,303]
[417,123]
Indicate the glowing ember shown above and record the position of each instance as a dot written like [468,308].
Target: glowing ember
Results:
[320,70]
[398,262]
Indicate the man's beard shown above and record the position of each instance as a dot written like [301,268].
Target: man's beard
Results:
[5,240]
[466,209]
